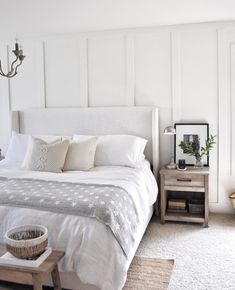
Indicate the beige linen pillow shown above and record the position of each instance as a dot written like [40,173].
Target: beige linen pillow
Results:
[43,156]
[81,155]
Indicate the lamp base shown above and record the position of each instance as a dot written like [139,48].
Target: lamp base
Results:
[171,166]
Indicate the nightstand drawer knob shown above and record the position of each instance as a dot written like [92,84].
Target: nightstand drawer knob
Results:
[184,179]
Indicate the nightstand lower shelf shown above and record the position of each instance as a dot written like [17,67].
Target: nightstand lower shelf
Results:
[184,217]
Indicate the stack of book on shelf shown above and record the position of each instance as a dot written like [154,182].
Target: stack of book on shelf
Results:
[177,205]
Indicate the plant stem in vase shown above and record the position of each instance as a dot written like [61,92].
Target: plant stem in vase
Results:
[199,163]
[194,149]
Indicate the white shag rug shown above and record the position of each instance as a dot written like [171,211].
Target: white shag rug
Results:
[204,257]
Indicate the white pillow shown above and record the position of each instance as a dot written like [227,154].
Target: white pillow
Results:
[81,155]
[18,146]
[43,156]
[120,150]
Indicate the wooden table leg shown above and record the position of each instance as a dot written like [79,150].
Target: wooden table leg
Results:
[163,200]
[37,284]
[206,201]
[56,278]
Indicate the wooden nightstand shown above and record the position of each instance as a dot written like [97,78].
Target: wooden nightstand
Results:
[185,184]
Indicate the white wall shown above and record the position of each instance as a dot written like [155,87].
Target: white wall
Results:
[34,17]
[185,70]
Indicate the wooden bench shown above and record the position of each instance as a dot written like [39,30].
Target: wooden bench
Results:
[33,276]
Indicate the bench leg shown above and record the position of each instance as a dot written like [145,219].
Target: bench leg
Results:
[56,278]
[37,284]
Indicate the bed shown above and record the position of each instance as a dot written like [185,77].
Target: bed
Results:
[94,258]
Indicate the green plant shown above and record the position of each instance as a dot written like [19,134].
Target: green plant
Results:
[194,149]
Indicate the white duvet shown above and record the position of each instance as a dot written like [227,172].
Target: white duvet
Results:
[91,249]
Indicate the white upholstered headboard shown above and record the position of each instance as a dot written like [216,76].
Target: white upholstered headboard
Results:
[138,121]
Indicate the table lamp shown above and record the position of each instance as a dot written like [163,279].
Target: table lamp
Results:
[169,130]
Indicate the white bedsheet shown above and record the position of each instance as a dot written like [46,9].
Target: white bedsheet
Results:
[91,249]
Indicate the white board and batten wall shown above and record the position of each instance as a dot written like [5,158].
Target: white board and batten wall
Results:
[188,71]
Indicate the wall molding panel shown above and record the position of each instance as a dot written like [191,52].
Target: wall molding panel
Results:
[62,73]
[107,72]
[226,128]
[83,71]
[226,47]
[232,109]
[5,100]
[130,70]
[176,75]
[27,87]
[153,79]
[188,71]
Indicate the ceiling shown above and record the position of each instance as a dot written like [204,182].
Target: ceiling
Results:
[45,17]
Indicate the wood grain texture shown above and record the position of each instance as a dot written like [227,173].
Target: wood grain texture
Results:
[46,266]
[184,217]
[56,278]
[30,275]
[185,179]
[163,197]
[184,188]
[206,200]
[191,180]
[15,286]
[15,276]
[188,171]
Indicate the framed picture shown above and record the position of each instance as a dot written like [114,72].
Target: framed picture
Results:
[188,132]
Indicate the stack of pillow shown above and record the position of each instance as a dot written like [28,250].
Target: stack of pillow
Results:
[57,153]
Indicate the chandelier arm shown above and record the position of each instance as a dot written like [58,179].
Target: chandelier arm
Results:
[13,71]
[1,71]
[12,75]
[12,68]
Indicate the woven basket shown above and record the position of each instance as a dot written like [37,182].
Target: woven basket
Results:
[196,206]
[26,242]
[232,198]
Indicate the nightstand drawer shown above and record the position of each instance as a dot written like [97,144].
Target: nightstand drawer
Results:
[185,180]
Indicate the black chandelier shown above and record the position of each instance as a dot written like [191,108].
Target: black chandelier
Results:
[15,64]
